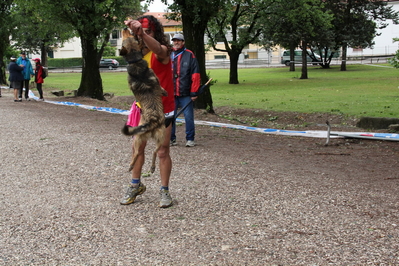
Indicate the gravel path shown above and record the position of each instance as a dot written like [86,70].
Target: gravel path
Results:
[241,198]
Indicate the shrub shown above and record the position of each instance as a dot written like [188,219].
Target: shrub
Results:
[77,62]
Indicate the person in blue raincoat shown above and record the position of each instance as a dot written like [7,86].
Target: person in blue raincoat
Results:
[28,72]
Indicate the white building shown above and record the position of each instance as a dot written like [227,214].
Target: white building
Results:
[383,43]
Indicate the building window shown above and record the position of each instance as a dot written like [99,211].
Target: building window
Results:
[251,55]
[220,56]
[115,34]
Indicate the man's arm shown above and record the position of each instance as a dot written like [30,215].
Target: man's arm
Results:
[195,77]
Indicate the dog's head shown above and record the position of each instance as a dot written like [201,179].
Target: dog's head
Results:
[131,50]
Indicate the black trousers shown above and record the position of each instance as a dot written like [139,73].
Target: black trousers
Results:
[25,84]
[39,89]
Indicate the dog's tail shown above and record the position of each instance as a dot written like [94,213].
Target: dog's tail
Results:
[131,131]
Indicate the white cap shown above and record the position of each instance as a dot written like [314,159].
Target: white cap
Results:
[178,36]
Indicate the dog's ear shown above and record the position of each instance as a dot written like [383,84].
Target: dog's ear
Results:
[126,34]
[123,51]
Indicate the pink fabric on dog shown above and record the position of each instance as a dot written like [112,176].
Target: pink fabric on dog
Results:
[133,118]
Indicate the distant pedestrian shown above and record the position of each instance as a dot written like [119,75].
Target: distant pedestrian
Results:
[186,79]
[28,72]
[39,70]
[16,77]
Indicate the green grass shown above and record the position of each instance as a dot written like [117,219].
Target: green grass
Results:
[362,90]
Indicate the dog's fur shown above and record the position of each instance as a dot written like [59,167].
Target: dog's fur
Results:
[148,92]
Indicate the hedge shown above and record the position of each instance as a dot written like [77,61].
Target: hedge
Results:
[76,62]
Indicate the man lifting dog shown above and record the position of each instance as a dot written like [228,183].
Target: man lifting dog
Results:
[156,50]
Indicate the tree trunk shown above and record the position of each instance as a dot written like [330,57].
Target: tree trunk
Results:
[234,56]
[325,59]
[194,38]
[292,57]
[3,66]
[91,82]
[343,62]
[3,78]
[43,52]
[304,74]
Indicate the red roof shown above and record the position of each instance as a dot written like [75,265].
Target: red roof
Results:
[165,22]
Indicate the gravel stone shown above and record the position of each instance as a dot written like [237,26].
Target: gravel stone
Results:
[240,198]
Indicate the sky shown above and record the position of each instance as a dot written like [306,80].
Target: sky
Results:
[157,6]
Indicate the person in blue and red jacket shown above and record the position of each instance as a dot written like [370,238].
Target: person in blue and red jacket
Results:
[186,79]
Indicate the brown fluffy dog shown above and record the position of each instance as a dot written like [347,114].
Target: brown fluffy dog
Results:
[148,92]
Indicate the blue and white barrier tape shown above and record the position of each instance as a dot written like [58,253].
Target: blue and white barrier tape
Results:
[310,133]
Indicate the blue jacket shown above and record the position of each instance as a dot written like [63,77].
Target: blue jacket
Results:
[15,72]
[186,73]
[28,70]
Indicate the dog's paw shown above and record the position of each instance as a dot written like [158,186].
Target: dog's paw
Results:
[152,169]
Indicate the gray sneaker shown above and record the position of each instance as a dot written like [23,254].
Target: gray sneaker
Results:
[132,193]
[190,143]
[166,199]
[173,142]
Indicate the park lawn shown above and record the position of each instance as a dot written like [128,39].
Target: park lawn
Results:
[362,90]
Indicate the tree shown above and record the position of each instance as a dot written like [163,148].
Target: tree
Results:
[195,15]
[5,32]
[37,31]
[395,60]
[93,20]
[237,24]
[356,23]
[280,29]
[298,23]
[109,50]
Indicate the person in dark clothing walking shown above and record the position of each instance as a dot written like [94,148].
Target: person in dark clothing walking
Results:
[186,79]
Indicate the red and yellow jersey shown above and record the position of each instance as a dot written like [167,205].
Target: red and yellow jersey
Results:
[165,76]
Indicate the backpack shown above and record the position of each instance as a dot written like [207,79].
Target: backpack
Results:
[44,74]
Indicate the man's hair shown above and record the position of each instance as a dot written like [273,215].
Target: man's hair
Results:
[157,27]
